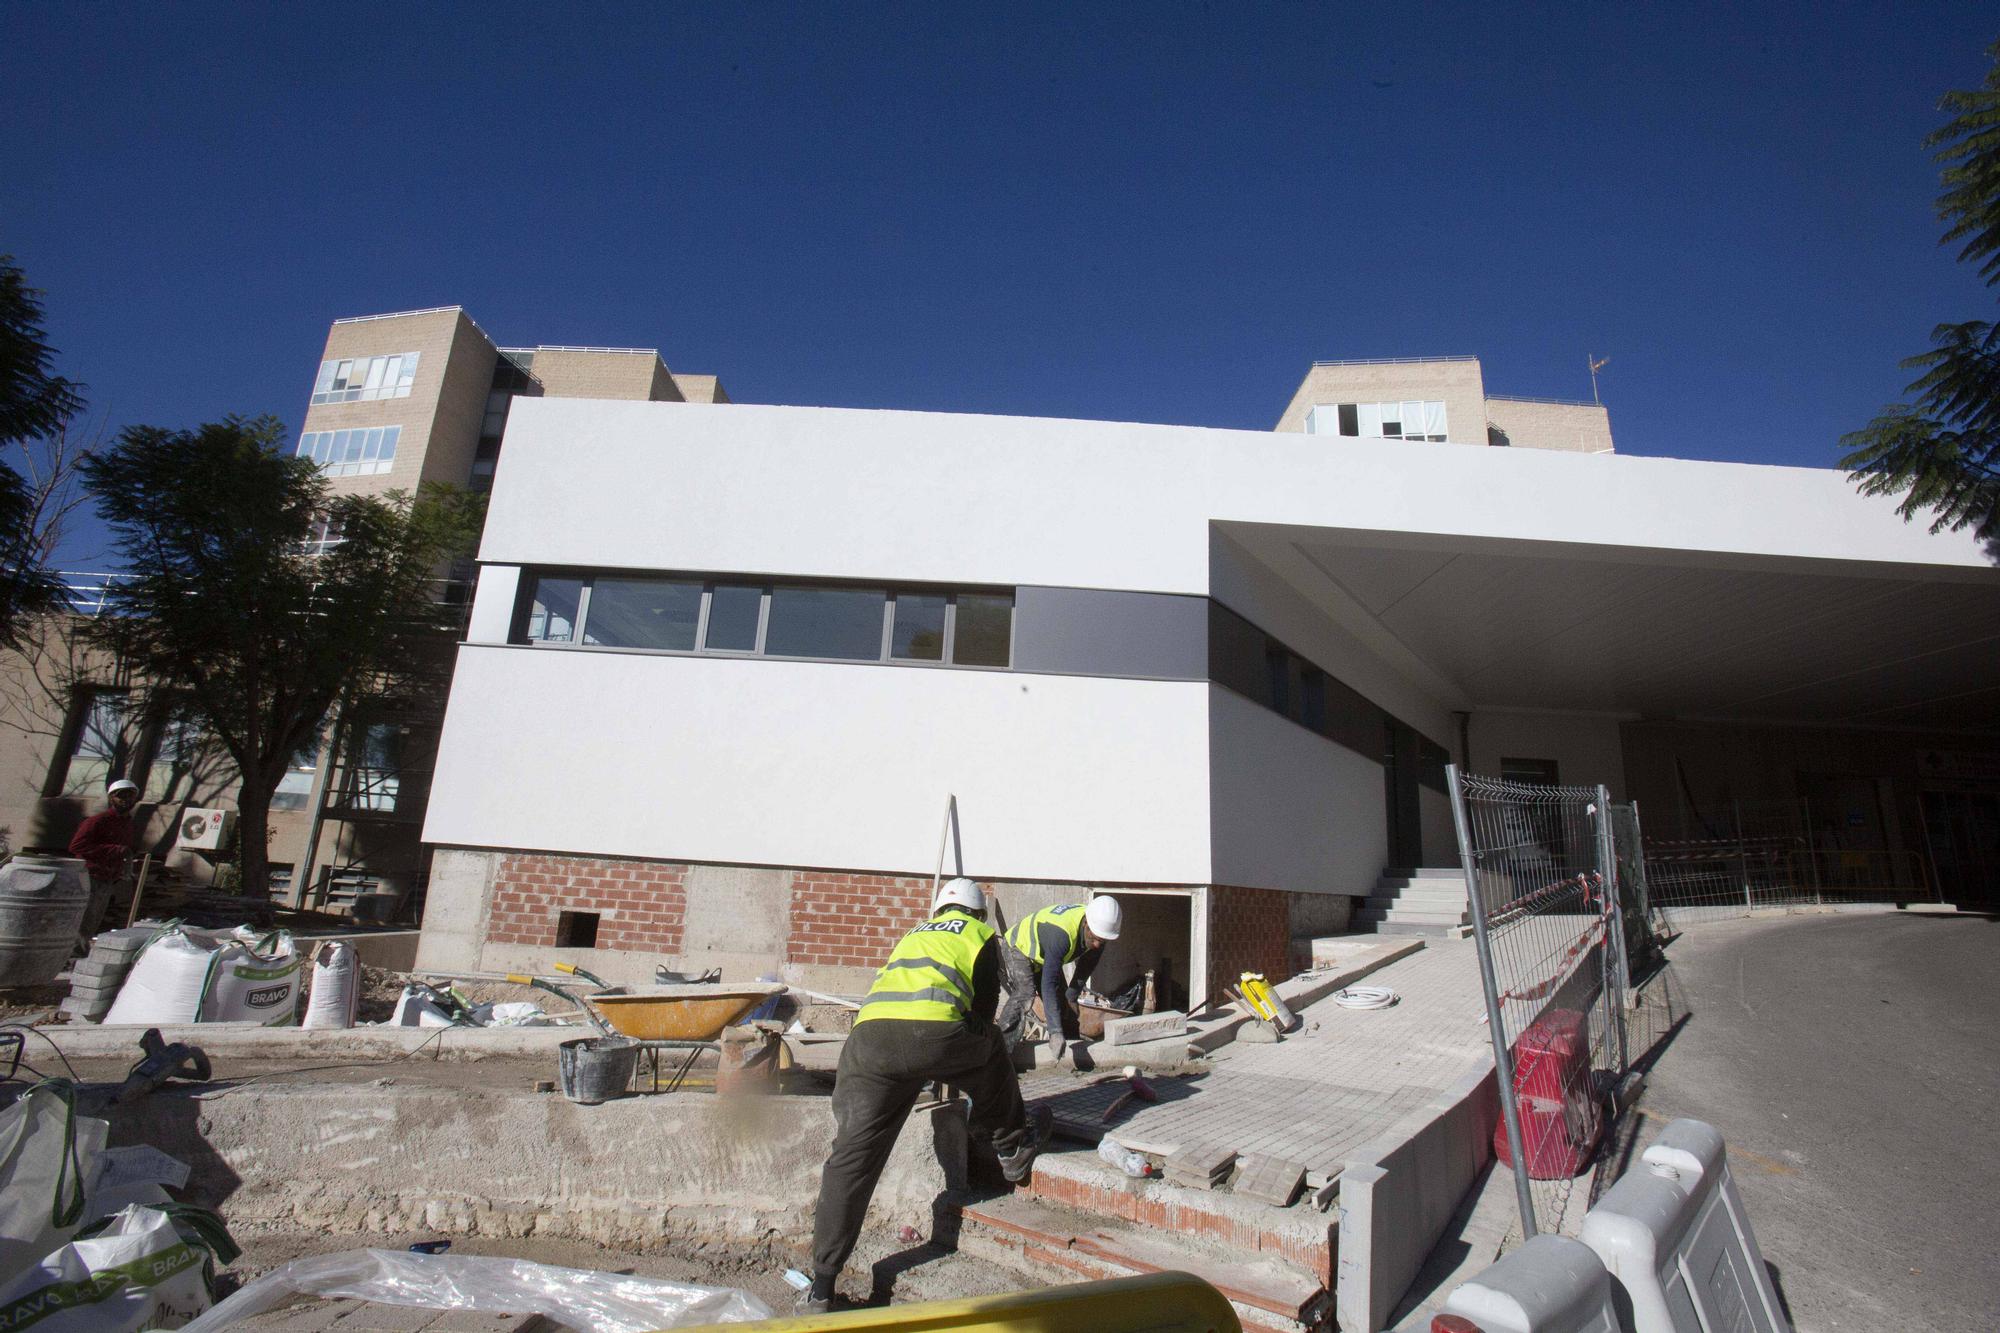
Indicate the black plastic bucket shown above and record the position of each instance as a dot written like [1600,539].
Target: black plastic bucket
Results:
[596,1069]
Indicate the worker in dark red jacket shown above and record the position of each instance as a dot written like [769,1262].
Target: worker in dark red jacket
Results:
[104,843]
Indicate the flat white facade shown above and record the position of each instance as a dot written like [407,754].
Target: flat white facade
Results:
[1520,601]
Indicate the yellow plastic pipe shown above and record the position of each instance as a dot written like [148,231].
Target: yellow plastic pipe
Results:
[1155,1303]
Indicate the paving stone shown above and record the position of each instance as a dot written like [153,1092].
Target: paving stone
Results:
[1145,1027]
[1202,1166]
[1275,1180]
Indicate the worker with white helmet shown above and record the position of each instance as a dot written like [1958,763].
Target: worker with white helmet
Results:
[1034,954]
[928,1018]
[103,842]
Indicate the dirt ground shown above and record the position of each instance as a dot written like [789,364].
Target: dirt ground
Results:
[901,1272]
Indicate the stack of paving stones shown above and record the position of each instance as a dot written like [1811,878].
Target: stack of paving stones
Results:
[94,982]
[1202,1167]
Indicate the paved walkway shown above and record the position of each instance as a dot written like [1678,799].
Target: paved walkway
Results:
[1346,1076]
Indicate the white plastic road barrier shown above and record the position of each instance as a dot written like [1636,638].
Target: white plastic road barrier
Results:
[1674,1234]
[1551,1284]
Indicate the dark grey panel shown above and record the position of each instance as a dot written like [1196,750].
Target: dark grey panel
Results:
[1091,632]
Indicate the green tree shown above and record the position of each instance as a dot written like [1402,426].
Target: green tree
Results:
[262,599]
[35,404]
[1942,452]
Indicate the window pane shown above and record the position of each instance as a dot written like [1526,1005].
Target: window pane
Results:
[983,630]
[826,622]
[376,365]
[325,380]
[1350,420]
[643,613]
[1370,423]
[732,618]
[389,437]
[919,632]
[410,366]
[99,752]
[344,375]
[552,614]
[305,445]
[174,755]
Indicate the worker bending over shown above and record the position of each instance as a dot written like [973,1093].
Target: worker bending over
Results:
[1035,952]
[928,1017]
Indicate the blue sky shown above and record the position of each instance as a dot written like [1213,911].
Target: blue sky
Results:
[1152,213]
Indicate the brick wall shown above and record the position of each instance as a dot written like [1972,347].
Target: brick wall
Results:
[852,920]
[1249,930]
[640,904]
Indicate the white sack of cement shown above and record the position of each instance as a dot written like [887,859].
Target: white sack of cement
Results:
[574,1298]
[336,987]
[416,1010]
[137,1273]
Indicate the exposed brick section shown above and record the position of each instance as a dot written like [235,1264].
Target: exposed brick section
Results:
[641,904]
[1249,930]
[852,920]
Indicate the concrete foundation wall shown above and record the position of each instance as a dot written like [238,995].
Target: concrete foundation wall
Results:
[500,911]
[635,1173]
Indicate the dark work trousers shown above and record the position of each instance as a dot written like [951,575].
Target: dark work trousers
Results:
[883,1067]
[1023,985]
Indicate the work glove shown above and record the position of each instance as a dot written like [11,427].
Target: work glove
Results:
[1057,1045]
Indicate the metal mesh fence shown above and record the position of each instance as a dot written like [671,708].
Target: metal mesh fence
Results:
[1540,869]
[1747,857]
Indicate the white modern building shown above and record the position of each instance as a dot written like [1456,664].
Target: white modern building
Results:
[727,663]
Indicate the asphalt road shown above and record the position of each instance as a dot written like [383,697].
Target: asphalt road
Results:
[1852,1062]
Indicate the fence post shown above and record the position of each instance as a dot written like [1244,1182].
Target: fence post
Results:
[1742,855]
[1812,851]
[1503,1063]
[1607,874]
[1639,869]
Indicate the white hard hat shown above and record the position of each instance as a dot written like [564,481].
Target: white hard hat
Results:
[960,892]
[122,784]
[1104,917]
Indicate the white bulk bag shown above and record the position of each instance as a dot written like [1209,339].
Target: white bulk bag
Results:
[48,1153]
[187,976]
[254,981]
[136,1274]
[166,982]
[336,987]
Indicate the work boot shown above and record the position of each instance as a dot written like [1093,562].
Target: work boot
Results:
[1016,1160]
[807,1303]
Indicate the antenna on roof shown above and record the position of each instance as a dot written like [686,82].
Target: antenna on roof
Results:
[1595,366]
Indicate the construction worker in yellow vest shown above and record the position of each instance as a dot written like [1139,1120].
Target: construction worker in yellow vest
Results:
[928,1017]
[1034,954]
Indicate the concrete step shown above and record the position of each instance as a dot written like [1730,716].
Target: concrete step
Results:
[1063,1244]
[1441,917]
[1430,930]
[1424,872]
[1428,883]
[1443,897]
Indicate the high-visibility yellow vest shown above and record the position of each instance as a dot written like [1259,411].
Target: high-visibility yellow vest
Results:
[1027,932]
[929,973]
